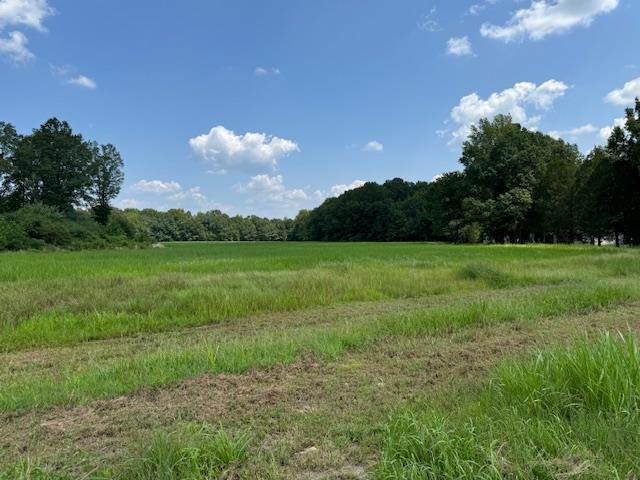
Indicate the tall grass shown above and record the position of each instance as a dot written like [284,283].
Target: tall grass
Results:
[197,452]
[80,383]
[568,413]
[65,298]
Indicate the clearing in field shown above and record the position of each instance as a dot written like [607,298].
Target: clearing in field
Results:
[342,361]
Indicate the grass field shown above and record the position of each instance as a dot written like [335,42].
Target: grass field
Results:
[342,361]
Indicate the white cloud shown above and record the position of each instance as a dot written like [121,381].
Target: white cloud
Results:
[459,46]
[165,195]
[587,129]
[156,186]
[476,8]
[82,81]
[513,101]
[195,194]
[429,23]
[271,189]
[15,47]
[274,187]
[626,95]
[27,13]
[373,146]
[547,17]
[263,72]
[338,190]
[21,13]
[225,150]
[605,132]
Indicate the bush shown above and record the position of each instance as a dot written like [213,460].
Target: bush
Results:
[38,226]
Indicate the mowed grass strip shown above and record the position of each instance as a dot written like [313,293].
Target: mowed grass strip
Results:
[567,413]
[93,380]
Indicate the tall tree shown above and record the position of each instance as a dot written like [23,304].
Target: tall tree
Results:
[106,177]
[624,149]
[9,141]
[51,166]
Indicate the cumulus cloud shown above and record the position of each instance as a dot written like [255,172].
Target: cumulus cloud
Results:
[27,13]
[264,72]
[587,129]
[225,150]
[83,81]
[156,186]
[338,190]
[373,146]
[547,17]
[459,46]
[15,47]
[626,95]
[21,13]
[272,188]
[513,101]
[606,132]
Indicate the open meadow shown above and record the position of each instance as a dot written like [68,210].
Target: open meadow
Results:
[314,360]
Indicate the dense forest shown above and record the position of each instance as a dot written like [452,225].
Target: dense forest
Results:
[516,186]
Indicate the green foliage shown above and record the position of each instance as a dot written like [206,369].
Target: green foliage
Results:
[56,167]
[39,226]
[197,452]
[567,413]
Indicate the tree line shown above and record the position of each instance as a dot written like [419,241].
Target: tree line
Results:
[516,185]
[56,189]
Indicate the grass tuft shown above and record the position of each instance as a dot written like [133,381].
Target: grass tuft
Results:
[569,413]
[197,452]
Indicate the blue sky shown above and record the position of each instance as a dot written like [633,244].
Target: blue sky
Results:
[266,107]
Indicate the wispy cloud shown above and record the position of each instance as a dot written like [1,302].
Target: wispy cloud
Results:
[265,72]
[373,146]
[83,81]
[459,46]
[547,17]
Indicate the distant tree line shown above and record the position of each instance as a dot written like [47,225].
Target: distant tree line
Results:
[180,225]
[56,190]
[516,186]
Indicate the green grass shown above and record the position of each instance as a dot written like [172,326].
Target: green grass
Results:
[66,298]
[568,413]
[194,452]
[83,383]
[78,327]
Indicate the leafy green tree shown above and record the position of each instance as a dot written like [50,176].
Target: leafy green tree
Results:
[9,141]
[51,166]
[624,150]
[106,177]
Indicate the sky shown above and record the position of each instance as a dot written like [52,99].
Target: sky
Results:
[266,107]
